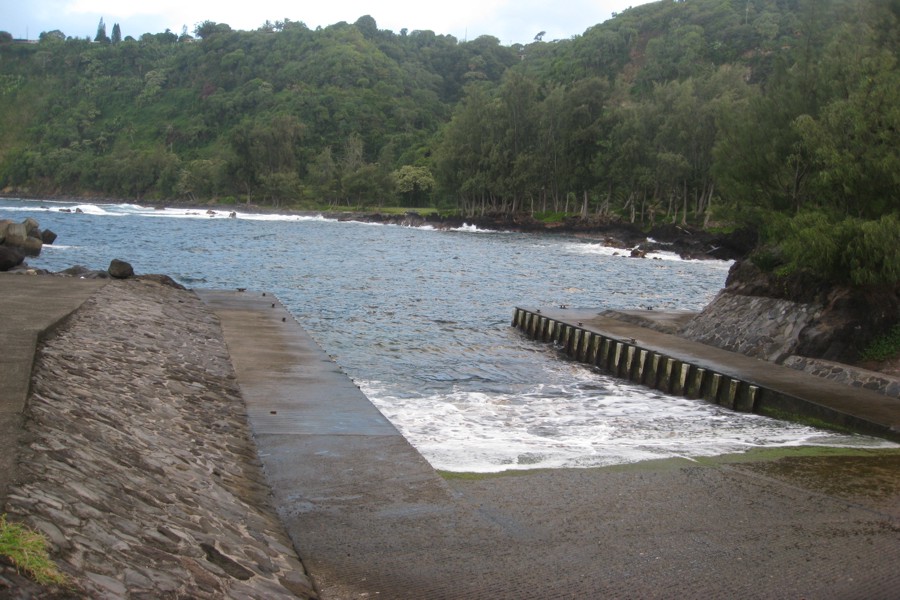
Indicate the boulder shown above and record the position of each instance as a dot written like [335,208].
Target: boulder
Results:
[10,258]
[25,237]
[119,269]
[32,246]
[32,227]
[48,237]
[16,233]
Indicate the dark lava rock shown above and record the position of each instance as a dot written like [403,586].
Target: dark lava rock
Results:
[851,316]
[162,280]
[84,272]
[48,237]
[120,269]
[10,258]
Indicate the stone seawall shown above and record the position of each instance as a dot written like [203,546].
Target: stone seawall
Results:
[137,461]
[766,328]
[770,329]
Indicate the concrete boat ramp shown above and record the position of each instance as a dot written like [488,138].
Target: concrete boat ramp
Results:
[368,513]
[370,518]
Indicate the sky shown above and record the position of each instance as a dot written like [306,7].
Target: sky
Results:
[512,21]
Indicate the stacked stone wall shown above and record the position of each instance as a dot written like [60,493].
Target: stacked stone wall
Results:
[766,328]
[846,374]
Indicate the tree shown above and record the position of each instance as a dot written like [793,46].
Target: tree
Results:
[116,34]
[280,186]
[413,184]
[853,145]
[206,29]
[101,33]
[323,175]
[52,36]
[263,148]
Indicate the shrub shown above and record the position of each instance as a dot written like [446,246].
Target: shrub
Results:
[550,217]
[847,251]
[884,347]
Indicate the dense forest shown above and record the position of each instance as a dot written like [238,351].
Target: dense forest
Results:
[780,114]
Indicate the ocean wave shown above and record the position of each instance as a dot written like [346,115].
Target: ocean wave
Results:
[466,228]
[612,251]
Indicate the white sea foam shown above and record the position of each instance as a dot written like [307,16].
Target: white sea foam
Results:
[604,250]
[138,210]
[466,228]
[193,213]
[580,426]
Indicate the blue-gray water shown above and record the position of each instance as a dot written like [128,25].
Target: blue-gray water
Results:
[420,320]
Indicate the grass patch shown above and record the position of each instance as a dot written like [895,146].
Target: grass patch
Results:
[550,217]
[27,549]
[401,210]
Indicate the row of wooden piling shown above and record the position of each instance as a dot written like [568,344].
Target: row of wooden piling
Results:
[625,359]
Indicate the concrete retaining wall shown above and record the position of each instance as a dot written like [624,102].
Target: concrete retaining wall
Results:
[691,369]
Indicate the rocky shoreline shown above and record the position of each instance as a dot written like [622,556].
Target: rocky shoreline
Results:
[138,463]
[686,241]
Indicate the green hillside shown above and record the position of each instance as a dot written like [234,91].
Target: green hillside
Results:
[783,114]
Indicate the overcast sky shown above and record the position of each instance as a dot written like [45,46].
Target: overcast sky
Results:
[512,21]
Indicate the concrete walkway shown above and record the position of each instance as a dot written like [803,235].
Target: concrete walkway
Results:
[31,307]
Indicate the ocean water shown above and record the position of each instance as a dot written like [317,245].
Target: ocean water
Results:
[420,320]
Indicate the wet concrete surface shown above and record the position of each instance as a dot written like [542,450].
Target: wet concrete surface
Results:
[371,519]
[794,527]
